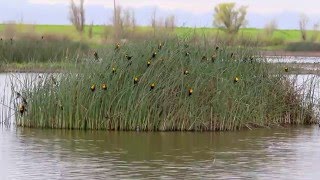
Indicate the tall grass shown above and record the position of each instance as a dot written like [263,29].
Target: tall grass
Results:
[40,50]
[235,89]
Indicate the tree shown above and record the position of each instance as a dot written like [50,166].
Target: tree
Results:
[90,31]
[170,22]
[154,21]
[230,18]
[271,27]
[303,26]
[77,15]
[315,33]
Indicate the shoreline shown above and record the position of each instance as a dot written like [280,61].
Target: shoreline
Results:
[62,67]
[283,53]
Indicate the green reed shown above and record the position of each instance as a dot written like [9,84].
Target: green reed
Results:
[229,92]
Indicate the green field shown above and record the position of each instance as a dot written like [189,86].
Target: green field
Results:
[99,32]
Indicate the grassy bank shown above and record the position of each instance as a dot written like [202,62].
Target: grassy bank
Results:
[176,86]
[288,40]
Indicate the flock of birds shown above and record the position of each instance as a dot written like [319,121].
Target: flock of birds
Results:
[22,107]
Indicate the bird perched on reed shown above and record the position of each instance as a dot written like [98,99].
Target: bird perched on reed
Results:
[236,79]
[117,47]
[135,80]
[152,86]
[148,63]
[190,91]
[204,58]
[104,86]
[96,56]
[213,58]
[22,109]
[128,57]
[154,55]
[93,87]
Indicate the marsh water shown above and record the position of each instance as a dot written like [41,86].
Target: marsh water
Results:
[284,153]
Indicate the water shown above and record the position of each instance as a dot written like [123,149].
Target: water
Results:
[284,153]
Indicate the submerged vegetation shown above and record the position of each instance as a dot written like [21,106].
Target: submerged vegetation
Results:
[165,86]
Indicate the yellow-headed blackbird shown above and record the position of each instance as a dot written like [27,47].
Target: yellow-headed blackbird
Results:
[190,92]
[213,58]
[93,87]
[148,63]
[135,80]
[236,79]
[152,86]
[104,86]
[187,54]
[186,72]
[113,70]
[204,58]
[117,46]
[22,109]
[286,69]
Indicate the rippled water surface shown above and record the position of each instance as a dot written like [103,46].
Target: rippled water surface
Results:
[284,153]
[57,154]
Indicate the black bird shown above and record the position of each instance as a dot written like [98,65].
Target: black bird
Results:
[204,58]
[24,100]
[1,39]
[96,55]
[128,57]
[187,54]
[217,48]
[11,40]
[148,63]
[18,94]
[42,37]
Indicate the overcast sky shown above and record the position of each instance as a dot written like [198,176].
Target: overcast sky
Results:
[188,12]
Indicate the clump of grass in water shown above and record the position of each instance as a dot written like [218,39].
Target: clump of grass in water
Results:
[227,94]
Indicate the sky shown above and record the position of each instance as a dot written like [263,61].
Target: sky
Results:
[193,13]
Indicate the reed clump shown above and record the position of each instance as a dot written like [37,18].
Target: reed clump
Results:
[174,92]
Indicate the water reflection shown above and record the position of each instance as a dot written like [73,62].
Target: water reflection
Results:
[60,154]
